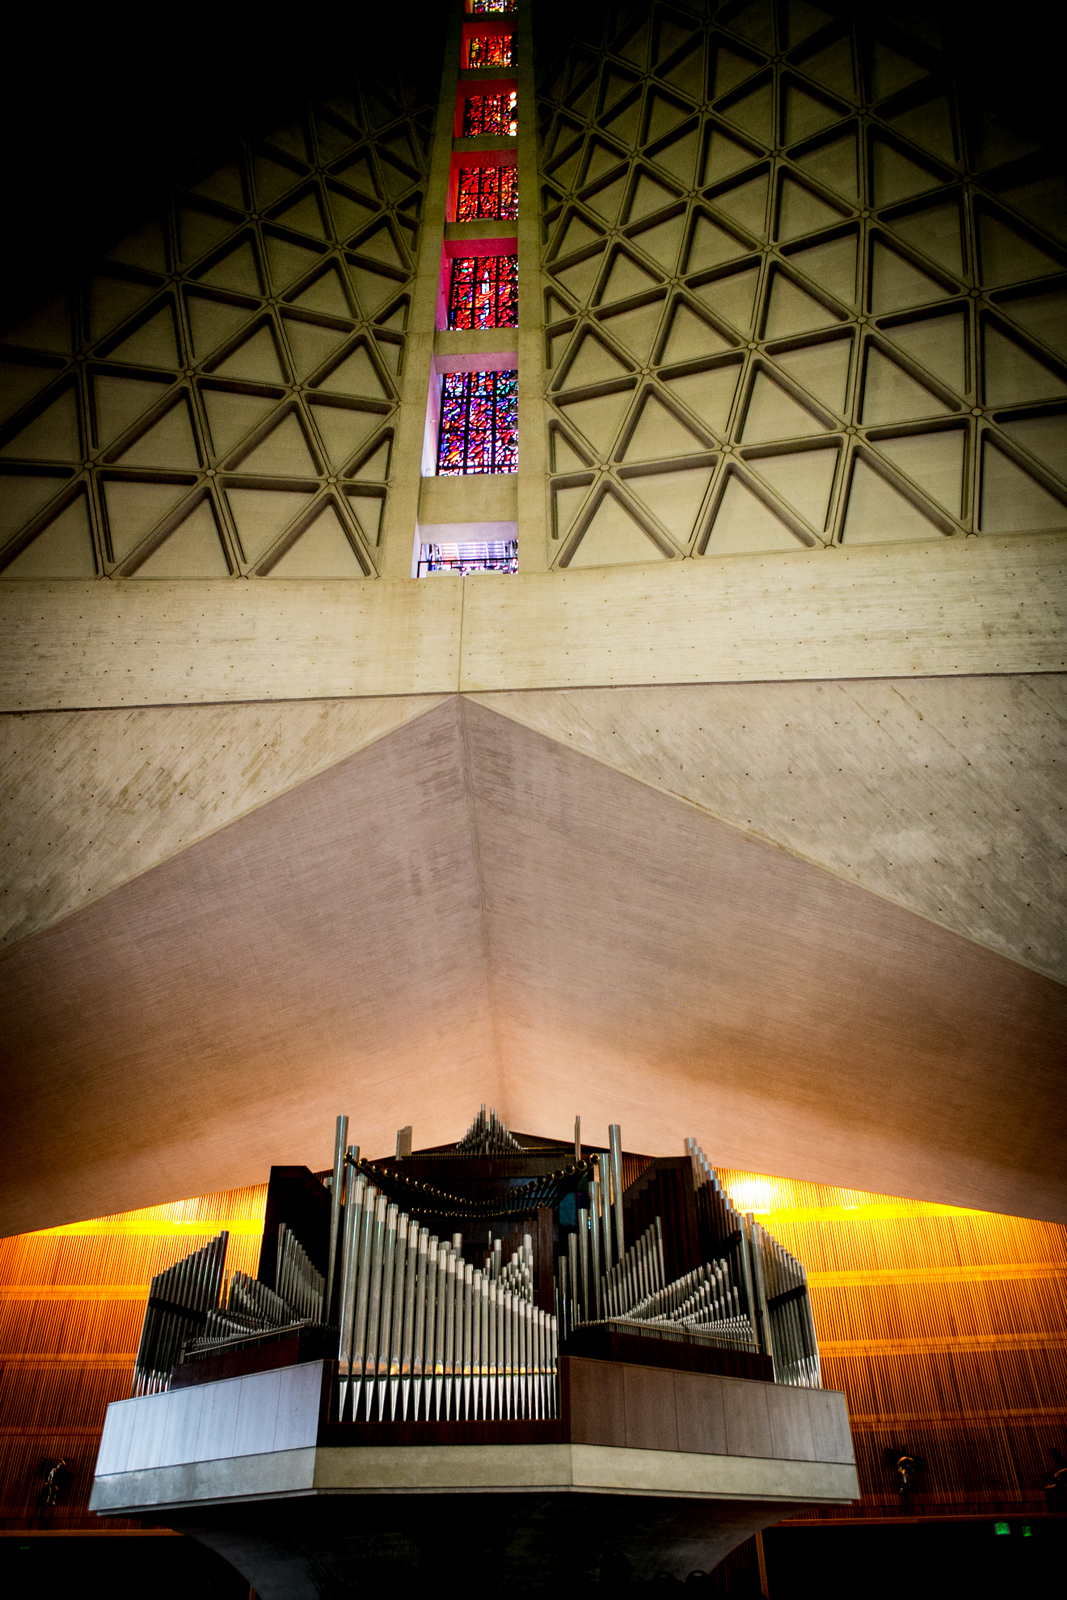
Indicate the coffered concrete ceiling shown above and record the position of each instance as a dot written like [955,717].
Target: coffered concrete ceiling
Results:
[466,909]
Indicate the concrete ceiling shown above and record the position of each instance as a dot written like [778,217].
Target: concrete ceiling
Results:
[466,909]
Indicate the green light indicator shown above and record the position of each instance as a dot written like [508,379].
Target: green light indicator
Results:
[1001,1527]
[1026,1530]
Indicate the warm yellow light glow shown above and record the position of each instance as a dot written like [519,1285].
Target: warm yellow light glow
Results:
[753,1194]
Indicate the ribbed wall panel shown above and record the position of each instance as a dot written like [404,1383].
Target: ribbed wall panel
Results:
[72,1301]
[946,1329]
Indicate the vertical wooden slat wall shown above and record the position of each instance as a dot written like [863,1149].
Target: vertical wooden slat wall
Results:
[946,1329]
[71,1304]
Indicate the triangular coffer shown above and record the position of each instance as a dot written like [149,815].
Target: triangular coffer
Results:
[232,416]
[1011,500]
[708,393]
[344,430]
[598,420]
[591,363]
[373,289]
[323,550]
[897,284]
[680,157]
[626,277]
[691,337]
[118,402]
[566,503]
[933,461]
[193,550]
[304,217]
[674,498]
[773,414]
[154,344]
[659,434]
[283,453]
[1012,376]
[744,525]
[255,360]
[800,211]
[791,309]
[326,294]
[169,443]
[614,537]
[310,344]
[261,515]
[287,261]
[711,245]
[356,375]
[806,113]
[732,297]
[892,395]
[804,479]
[821,370]
[754,113]
[832,266]
[134,509]
[63,549]
[878,513]
[662,241]
[724,157]
[939,344]
[212,322]
[23,496]
[746,204]
[636,329]
[237,270]
[649,196]
[53,435]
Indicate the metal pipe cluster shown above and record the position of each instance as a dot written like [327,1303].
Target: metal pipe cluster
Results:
[424,1334]
[179,1302]
[248,1308]
[776,1287]
[794,1343]
[705,1295]
[296,1280]
[487,1136]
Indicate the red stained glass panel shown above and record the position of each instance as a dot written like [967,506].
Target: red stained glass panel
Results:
[487,192]
[491,50]
[483,292]
[492,114]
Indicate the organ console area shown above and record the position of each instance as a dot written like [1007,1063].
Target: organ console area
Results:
[577,1320]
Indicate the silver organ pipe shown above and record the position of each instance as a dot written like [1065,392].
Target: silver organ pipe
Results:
[475,1346]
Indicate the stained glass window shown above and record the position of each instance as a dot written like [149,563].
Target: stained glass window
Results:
[491,50]
[487,192]
[483,292]
[492,5]
[489,114]
[479,423]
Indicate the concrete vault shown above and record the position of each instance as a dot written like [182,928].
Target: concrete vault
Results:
[402,907]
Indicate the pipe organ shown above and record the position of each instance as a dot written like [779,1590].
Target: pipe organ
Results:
[445,1284]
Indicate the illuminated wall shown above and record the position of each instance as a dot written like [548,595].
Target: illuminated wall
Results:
[947,1330]
[71,1304]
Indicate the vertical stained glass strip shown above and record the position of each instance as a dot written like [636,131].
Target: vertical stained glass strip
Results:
[490,50]
[489,114]
[479,423]
[483,292]
[487,192]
